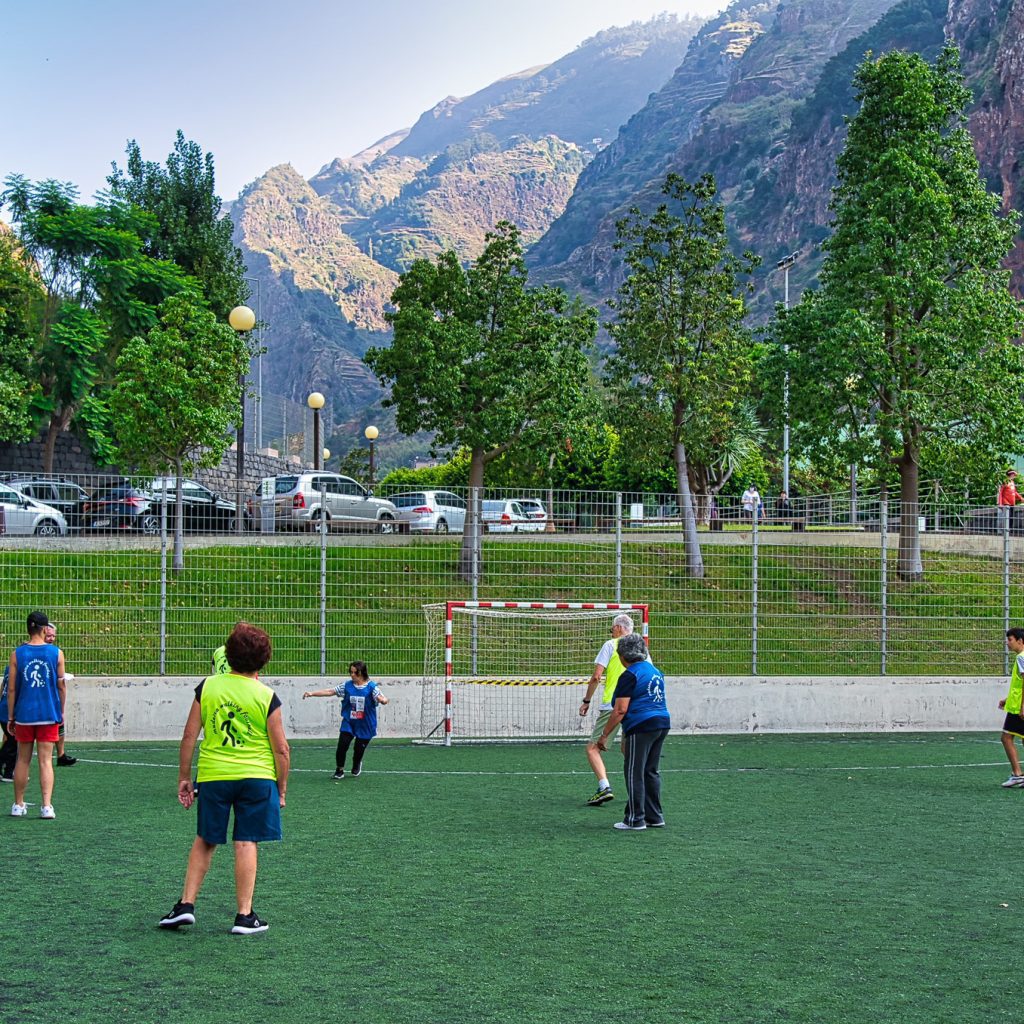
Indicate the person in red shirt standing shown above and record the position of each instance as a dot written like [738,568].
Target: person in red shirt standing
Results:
[1008,497]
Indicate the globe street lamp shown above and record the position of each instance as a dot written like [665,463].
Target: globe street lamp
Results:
[327,455]
[316,402]
[371,434]
[242,320]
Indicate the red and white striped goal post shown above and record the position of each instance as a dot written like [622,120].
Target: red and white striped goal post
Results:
[450,606]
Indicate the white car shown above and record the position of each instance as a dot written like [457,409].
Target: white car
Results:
[504,516]
[22,516]
[534,510]
[430,511]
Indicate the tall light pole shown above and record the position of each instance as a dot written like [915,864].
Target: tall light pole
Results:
[242,320]
[316,402]
[784,264]
[371,434]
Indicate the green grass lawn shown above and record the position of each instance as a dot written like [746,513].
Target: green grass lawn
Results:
[819,608]
[800,879]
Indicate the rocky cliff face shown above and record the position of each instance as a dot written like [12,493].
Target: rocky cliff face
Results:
[328,252]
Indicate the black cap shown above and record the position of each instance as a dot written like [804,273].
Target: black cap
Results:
[36,621]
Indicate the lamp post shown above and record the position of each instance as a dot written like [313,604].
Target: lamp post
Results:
[784,264]
[242,320]
[327,455]
[316,402]
[371,434]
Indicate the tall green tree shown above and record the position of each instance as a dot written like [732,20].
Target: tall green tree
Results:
[99,290]
[187,227]
[176,394]
[910,336]
[21,302]
[683,359]
[484,361]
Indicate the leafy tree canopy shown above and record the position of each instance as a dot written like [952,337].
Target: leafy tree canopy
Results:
[186,226]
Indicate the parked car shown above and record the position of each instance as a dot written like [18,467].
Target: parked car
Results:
[504,516]
[203,509]
[534,510]
[121,507]
[22,516]
[63,495]
[430,511]
[300,499]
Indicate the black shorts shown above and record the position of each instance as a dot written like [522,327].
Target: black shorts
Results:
[1013,724]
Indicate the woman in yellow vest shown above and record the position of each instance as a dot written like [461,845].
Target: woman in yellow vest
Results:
[243,768]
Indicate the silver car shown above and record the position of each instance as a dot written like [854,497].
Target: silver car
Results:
[504,516]
[431,511]
[302,499]
[22,516]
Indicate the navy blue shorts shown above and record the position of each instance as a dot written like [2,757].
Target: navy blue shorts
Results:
[257,808]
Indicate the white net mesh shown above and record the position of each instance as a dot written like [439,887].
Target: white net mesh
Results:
[517,672]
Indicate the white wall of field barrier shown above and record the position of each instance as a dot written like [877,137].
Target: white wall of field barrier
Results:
[151,708]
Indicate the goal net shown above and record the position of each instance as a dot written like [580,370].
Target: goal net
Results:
[513,670]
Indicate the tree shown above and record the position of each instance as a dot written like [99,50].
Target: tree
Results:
[176,394]
[482,360]
[683,360]
[99,290]
[187,227]
[21,300]
[908,339]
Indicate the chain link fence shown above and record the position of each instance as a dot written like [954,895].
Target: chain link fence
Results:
[815,588]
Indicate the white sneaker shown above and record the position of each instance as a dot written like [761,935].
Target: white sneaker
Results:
[1013,781]
[47,812]
[623,827]
[18,810]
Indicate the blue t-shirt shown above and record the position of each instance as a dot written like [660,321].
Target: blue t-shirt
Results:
[358,708]
[37,696]
[644,685]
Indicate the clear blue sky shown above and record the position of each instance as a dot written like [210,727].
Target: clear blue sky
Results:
[260,82]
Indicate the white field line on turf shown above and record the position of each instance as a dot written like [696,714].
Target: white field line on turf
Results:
[664,771]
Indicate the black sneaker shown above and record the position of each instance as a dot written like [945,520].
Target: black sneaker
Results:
[340,773]
[356,772]
[183,913]
[66,761]
[249,924]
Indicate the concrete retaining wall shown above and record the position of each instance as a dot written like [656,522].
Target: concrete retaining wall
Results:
[156,707]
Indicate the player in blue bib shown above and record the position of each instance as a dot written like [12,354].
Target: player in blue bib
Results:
[640,704]
[360,696]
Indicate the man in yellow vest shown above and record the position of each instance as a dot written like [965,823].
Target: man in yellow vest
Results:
[606,664]
[1013,724]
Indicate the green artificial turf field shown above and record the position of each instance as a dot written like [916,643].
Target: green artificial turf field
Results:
[800,879]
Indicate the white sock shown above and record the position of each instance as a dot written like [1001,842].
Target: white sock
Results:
[603,784]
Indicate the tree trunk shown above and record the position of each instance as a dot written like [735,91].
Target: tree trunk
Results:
[910,566]
[58,423]
[694,559]
[469,531]
[179,525]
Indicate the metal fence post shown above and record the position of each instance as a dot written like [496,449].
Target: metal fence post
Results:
[163,586]
[474,571]
[753,596]
[323,578]
[883,527]
[618,546]
[1007,512]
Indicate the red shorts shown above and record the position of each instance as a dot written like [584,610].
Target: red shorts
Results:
[43,733]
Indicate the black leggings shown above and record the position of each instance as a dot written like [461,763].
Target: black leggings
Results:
[344,740]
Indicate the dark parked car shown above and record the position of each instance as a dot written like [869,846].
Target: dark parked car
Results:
[204,510]
[122,507]
[63,495]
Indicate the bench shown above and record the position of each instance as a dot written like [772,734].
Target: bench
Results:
[798,523]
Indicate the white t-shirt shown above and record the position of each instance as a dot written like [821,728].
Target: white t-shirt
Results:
[751,499]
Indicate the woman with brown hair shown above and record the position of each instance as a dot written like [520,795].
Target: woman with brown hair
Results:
[243,767]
